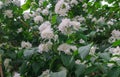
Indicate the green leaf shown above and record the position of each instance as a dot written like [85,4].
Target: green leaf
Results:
[35,67]
[116,43]
[26,5]
[84,51]
[114,72]
[29,52]
[54,19]
[59,74]
[79,70]
[105,56]
[67,60]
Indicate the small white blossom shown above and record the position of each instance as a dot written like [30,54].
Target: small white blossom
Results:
[62,8]
[116,34]
[38,19]
[74,2]
[19,30]
[92,50]
[110,23]
[26,44]
[17,2]
[16,74]
[94,19]
[75,24]
[8,13]
[66,48]
[46,73]
[45,47]
[68,27]
[47,34]
[115,51]
[6,62]
[26,15]
[1,4]
[81,41]
[45,11]
[101,20]
[84,5]
[77,61]
[44,26]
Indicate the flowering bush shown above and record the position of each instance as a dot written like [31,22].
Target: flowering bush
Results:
[60,38]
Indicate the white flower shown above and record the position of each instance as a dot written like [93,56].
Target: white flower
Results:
[45,47]
[38,10]
[47,34]
[16,74]
[84,5]
[26,15]
[101,20]
[65,26]
[92,50]
[38,19]
[8,2]
[94,19]
[17,2]
[46,73]
[115,59]
[110,23]
[66,48]
[80,19]
[19,30]
[116,34]
[44,26]
[68,27]
[62,8]
[8,13]
[110,64]
[75,24]
[81,41]
[77,61]
[74,2]
[111,40]
[45,11]
[1,4]
[26,44]
[115,51]
[6,62]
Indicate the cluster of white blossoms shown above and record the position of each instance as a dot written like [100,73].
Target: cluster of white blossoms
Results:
[26,15]
[46,31]
[16,2]
[62,8]
[8,13]
[67,26]
[66,48]
[38,19]
[1,4]
[115,51]
[115,36]
[45,47]
[26,44]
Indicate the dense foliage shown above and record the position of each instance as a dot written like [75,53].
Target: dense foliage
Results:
[60,38]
